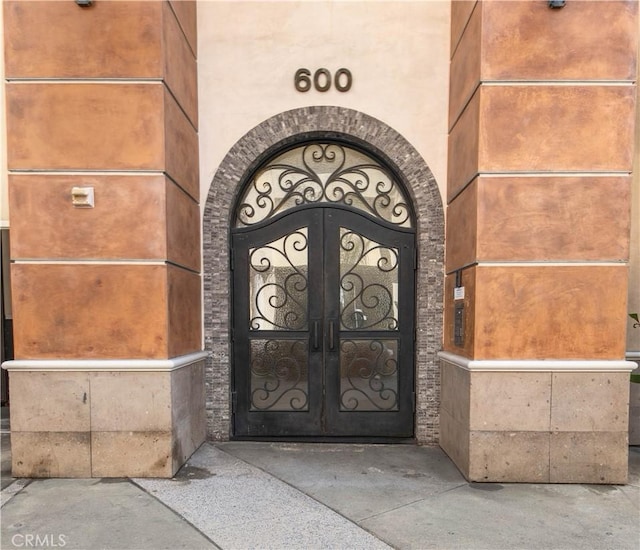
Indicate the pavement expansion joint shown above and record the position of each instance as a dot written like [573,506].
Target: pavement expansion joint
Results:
[13,489]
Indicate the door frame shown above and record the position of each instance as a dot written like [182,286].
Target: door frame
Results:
[378,139]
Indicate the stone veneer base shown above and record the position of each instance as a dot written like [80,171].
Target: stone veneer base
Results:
[536,421]
[96,418]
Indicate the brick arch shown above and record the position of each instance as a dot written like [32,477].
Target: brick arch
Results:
[249,152]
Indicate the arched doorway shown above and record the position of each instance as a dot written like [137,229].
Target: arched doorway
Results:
[323,259]
[375,139]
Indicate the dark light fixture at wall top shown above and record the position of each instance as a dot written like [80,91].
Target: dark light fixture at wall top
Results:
[557,3]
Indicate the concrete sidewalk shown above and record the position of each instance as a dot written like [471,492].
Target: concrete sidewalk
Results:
[241,495]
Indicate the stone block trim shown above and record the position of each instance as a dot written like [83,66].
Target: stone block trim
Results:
[537,421]
[250,151]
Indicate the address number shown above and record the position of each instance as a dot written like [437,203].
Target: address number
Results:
[322,80]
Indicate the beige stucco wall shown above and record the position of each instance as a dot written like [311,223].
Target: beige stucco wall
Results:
[398,53]
[248,53]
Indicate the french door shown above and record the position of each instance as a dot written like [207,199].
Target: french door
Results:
[323,326]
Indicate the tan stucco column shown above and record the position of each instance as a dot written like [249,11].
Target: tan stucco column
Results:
[540,154]
[108,378]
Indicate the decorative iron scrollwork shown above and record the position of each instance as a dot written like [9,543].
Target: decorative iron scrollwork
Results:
[369,375]
[323,173]
[279,283]
[279,376]
[368,273]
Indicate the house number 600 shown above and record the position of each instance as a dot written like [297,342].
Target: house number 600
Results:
[322,80]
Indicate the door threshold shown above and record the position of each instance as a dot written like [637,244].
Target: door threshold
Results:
[330,439]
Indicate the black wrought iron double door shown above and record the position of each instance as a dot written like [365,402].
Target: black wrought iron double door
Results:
[323,327]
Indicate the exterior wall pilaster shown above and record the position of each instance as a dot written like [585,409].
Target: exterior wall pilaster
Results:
[108,379]
[540,157]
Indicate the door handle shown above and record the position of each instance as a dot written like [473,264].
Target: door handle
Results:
[316,342]
[332,336]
